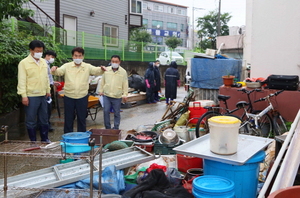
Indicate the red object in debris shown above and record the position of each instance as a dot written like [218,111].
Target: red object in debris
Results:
[59,85]
[30,149]
[146,147]
[156,166]
[143,137]
[185,162]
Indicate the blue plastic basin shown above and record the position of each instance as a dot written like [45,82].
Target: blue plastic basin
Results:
[77,137]
[213,186]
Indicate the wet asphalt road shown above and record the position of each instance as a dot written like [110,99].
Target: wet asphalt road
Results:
[131,118]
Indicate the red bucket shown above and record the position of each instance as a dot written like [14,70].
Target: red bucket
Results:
[196,111]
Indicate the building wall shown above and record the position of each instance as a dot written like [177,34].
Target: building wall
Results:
[273,37]
[105,12]
[164,15]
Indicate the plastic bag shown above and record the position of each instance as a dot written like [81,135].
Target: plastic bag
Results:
[112,181]
[183,118]
[174,176]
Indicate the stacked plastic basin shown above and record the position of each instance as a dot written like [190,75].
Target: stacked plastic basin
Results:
[212,186]
[245,177]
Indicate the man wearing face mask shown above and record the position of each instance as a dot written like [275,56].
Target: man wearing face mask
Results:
[76,75]
[50,58]
[114,88]
[157,80]
[33,86]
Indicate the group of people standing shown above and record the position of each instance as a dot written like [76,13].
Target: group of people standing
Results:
[153,82]
[34,80]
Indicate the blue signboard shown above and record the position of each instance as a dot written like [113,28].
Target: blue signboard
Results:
[165,33]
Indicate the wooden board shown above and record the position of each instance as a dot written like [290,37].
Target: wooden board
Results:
[135,97]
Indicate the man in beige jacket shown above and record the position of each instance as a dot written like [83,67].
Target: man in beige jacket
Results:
[76,74]
[34,87]
[114,88]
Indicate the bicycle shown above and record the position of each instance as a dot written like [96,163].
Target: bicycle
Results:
[202,127]
[261,123]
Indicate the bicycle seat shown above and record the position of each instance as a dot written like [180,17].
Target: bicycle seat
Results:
[223,97]
[241,104]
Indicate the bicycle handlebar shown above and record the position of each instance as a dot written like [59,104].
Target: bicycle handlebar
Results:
[270,95]
[249,92]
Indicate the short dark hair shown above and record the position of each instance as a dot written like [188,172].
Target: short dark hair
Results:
[78,49]
[115,56]
[36,43]
[50,52]
[157,61]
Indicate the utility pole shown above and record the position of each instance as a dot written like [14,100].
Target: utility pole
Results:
[219,25]
[193,32]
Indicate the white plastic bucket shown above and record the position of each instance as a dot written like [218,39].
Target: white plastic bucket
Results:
[182,132]
[224,131]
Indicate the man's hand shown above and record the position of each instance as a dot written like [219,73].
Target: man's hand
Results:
[103,68]
[124,99]
[53,68]
[48,95]
[25,101]
[56,83]
[101,94]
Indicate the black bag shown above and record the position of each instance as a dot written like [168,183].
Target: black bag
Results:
[286,82]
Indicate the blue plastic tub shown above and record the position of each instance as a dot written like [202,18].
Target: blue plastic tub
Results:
[245,177]
[213,186]
[75,147]
[77,137]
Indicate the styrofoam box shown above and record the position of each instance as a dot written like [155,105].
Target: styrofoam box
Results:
[203,103]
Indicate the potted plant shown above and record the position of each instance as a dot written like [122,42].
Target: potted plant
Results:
[228,80]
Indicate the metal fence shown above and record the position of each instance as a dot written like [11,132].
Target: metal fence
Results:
[96,46]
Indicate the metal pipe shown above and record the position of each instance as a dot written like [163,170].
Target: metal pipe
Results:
[279,157]
[219,24]
[92,157]
[5,176]
[100,169]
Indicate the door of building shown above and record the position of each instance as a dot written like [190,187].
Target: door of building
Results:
[70,24]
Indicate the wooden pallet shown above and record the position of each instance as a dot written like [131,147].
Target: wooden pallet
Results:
[133,103]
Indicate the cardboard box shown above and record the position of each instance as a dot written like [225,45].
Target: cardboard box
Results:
[108,135]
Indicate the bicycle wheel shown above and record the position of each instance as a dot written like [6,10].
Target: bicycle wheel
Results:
[202,124]
[279,125]
[264,128]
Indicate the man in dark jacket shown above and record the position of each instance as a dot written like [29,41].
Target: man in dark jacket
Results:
[150,83]
[172,80]
[157,80]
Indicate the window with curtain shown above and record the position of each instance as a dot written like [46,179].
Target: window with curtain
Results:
[136,6]
[111,34]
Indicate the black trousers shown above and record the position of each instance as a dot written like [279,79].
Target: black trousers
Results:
[149,95]
[75,107]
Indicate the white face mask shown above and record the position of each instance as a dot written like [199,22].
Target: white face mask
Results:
[77,61]
[38,55]
[51,60]
[157,65]
[115,65]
